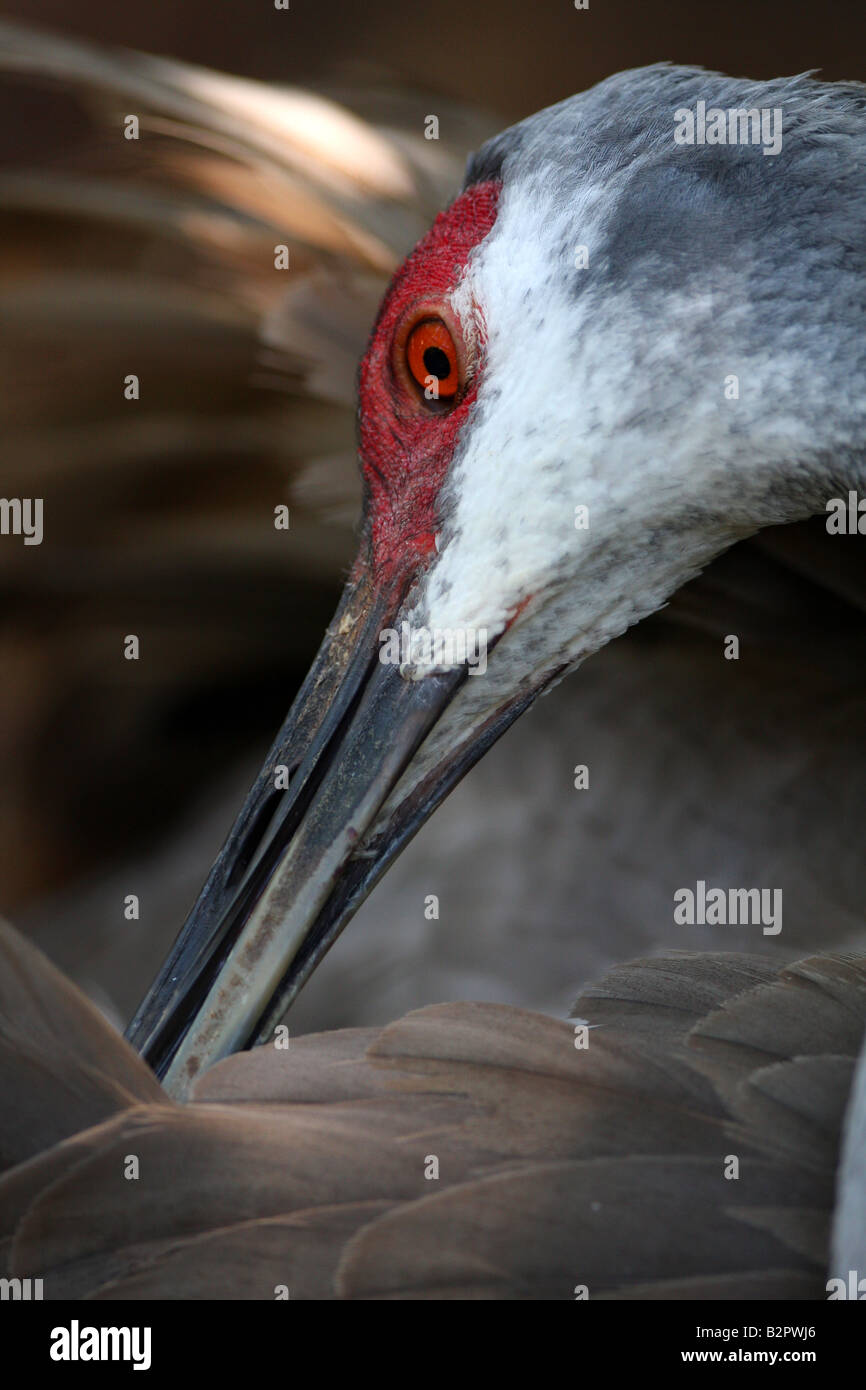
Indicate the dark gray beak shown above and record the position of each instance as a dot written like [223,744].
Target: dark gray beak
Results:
[299,861]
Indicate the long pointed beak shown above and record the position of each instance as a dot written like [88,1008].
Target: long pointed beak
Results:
[300,859]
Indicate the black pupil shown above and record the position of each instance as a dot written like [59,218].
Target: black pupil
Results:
[436,362]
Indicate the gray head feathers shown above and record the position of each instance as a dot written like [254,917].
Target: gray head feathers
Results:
[788,231]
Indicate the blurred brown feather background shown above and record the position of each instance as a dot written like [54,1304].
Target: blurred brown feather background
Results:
[158,257]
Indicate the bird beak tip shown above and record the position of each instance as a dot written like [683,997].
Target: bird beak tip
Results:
[298,860]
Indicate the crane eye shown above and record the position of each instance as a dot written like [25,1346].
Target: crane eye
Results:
[432,353]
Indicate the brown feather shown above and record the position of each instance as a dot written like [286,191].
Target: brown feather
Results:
[558,1166]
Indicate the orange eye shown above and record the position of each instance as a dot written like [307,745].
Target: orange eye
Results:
[431,353]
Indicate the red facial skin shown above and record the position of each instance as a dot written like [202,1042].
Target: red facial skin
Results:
[406,446]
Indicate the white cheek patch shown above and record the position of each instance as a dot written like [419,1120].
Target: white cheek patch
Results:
[506,494]
[601,466]
[531,451]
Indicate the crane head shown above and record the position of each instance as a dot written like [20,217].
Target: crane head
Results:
[607,361]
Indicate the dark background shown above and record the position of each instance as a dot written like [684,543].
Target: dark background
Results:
[511,55]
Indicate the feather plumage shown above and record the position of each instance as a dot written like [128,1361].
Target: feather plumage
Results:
[558,1165]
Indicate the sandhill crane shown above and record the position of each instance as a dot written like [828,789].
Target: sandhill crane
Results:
[524,287]
[159,253]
